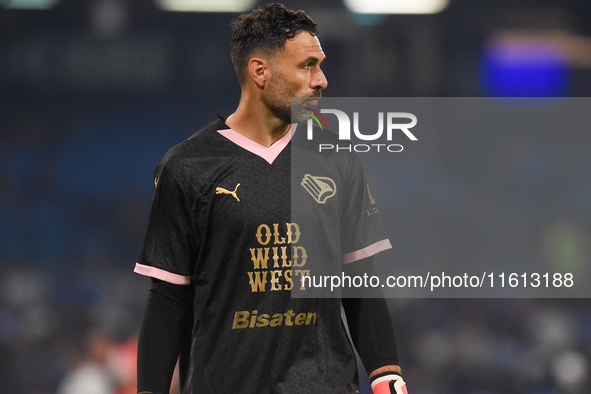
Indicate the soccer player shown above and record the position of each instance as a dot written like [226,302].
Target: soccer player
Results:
[225,253]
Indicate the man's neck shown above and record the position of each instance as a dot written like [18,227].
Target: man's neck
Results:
[257,125]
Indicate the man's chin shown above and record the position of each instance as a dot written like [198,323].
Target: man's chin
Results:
[301,108]
[300,114]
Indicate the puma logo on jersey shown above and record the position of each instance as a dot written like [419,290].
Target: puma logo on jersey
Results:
[319,187]
[221,190]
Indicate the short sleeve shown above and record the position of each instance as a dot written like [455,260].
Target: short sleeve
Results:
[362,230]
[171,242]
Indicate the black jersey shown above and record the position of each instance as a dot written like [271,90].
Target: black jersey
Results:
[222,220]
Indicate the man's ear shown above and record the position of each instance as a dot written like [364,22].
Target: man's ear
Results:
[258,71]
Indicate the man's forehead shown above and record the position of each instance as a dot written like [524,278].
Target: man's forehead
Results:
[304,44]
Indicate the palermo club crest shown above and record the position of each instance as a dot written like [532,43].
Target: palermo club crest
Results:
[319,187]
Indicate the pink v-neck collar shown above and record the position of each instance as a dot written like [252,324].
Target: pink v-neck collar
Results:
[269,154]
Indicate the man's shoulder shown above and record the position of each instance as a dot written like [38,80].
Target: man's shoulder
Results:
[198,145]
[190,154]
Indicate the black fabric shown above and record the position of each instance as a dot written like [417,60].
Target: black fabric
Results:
[369,321]
[167,314]
[371,331]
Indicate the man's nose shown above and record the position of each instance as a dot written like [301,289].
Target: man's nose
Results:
[319,81]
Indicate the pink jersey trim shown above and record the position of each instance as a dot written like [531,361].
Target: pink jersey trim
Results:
[161,274]
[269,154]
[366,252]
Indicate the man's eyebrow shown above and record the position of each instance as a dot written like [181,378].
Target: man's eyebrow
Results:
[314,59]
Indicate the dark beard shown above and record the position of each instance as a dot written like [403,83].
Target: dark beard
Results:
[283,113]
[291,110]
[298,112]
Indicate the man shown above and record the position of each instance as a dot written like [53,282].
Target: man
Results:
[225,253]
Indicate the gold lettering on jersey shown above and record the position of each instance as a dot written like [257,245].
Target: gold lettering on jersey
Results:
[284,261]
[276,256]
[302,274]
[259,234]
[293,233]
[221,190]
[372,210]
[272,270]
[299,252]
[275,275]
[260,257]
[252,319]
[289,283]
[371,199]
[278,240]
[258,280]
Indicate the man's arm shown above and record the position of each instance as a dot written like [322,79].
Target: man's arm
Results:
[372,332]
[373,336]
[385,369]
[166,317]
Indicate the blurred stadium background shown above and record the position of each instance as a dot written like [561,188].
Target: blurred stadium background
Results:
[94,92]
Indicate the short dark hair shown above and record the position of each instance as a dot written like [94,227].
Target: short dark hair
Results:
[267,28]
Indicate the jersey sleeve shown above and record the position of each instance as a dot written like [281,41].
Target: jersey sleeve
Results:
[171,242]
[362,231]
